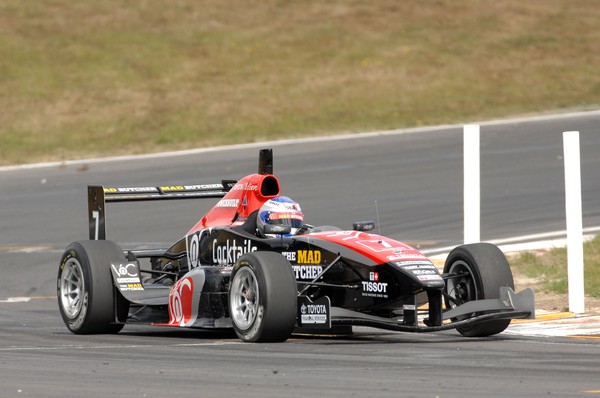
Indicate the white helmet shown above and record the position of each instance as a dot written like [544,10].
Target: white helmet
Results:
[279,211]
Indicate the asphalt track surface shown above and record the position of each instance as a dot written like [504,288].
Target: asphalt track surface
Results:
[416,180]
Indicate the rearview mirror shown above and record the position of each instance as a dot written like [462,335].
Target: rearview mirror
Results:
[363,226]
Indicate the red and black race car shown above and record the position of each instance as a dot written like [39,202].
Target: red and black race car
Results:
[222,274]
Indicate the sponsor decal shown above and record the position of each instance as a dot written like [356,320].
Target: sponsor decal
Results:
[131,286]
[231,251]
[307,272]
[192,246]
[314,314]
[172,188]
[71,254]
[124,270]
[424,272]
[419,266]
[200,187]
[127,280]
[374,288]
[286,216]
[245,187]
[203,187]
[403,264]
[309,257]
[127,276]
[131,190]
[228,203]
[193,250]
[180,302]
[290,256]
[405,256]
[308,263]
[290,209]
[429,277]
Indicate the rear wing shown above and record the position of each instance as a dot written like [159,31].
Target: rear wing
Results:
[98,196]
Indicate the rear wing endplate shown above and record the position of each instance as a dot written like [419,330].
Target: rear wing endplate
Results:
[98,196]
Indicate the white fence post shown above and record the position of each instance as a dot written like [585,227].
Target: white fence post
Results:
[472,201]
[574,221]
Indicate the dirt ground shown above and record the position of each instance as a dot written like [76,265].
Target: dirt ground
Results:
[549,301]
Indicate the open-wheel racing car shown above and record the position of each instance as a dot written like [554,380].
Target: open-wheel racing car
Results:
[267,284]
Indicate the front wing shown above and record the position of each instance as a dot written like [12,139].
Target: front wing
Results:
[510,305]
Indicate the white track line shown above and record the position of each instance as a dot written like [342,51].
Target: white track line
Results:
[113,346]
[548,240]
[16,300]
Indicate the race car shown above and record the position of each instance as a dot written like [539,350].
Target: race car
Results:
[267,283]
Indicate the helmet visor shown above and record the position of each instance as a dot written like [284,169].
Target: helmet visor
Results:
[293,219]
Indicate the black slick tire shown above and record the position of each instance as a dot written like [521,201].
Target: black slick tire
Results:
[88,301]
[485,270]
[262,297]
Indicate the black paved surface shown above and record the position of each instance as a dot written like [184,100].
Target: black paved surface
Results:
[416,181]
[40,358]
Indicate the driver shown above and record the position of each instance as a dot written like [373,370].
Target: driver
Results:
[279,211]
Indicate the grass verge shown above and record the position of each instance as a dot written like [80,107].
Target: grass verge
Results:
[550,268]
[89,78]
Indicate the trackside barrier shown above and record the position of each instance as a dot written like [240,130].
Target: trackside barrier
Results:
[472,194]
[573,204]
[574,221]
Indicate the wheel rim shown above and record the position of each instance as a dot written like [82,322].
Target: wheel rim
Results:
[463,288]
[72,288]
[244,298]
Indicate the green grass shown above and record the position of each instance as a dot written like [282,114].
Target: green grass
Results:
[551,268]
[89,78]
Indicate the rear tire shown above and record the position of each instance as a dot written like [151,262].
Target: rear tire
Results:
[262,297]
[89,303]
[485,270]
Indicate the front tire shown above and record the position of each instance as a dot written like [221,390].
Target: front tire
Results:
[483,270]
[88,301]
[262,297]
